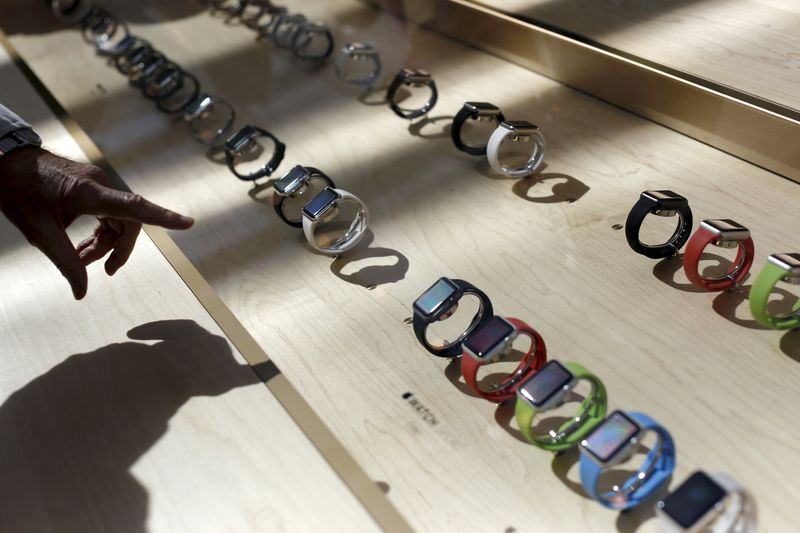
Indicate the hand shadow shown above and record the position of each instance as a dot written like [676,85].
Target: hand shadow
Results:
[568,189]
[666,269]
[415,128]
[370,276]
[727,303]
[69,438]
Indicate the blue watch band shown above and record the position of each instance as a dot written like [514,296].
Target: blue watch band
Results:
[657,469]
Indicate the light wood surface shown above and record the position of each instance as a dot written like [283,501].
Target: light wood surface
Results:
[750,45]
[130,410]
[693,361]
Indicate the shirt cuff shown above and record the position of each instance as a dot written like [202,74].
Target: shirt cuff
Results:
[10,122]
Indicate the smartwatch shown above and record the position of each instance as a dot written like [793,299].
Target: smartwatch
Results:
[201,110]
[164,83]
[357,53]
[266,29]
[132,53]
[253,11]
[516,131]
[186,92]
[313,41]
[439,302]
[725,234]
[108,44]
[779,267]
[490,343]
[98,26]
[662,204]
[548,389]
[294,185]
[412,78]
[70,11]
[245,141]
[325,207]
[613,442]
[480,111]
[708,502]
[141,73]
[286,26]
[19,139]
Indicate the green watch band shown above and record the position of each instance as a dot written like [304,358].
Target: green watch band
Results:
[759,297]
[592,411]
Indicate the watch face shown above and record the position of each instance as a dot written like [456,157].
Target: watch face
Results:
[292,181]
[360,50]
[320,204]
[611,436]
[789,262]
[433,300]
[488,338]
[665,199]
[520,126]
[726,229]
[545,384]
[482,108]
[693,500]
[198,106]
[241,140]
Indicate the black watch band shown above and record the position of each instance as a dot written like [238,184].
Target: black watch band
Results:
[661,203]
[279,200]
[277,156]
[402,78]
[453,349]
[472,111]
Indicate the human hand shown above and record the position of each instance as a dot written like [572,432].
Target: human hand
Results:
[42,194]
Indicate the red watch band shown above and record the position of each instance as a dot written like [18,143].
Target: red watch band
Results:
[533,360]
[694,251]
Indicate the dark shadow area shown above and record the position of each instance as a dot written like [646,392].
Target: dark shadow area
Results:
[564,461]
[790,344]
[69,438]
[370,276]
[632,519]
[415,128]
[373,96]
[35,16]
[483,168]
[726,304]
[666,269]
[568,189]
[503,415]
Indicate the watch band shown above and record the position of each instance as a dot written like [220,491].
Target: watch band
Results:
[358,52]
[277,156]
[406,77]
[735,274]
[352,236]
[535,161]
[769,276]
[454,349]
[211,103]
[533,360]
[279,200]
[303,38]
[656,470]
[649,203]
[591,412]
[472,110]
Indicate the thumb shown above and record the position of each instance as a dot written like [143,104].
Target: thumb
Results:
[52,240]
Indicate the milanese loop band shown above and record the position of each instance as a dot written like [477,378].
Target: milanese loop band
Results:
[590,413]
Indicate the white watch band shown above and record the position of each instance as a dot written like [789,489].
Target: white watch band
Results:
[493,153]
[352,236]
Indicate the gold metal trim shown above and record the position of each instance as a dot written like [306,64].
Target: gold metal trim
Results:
[741,128]
[350,472]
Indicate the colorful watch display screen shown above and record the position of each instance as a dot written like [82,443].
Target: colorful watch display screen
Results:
[432,300]
[693,500]
[291,181]
[320,203]
[547,382]
[489,337]
[610,437]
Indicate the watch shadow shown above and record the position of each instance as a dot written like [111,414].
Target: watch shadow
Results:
[632,519]
[415,128]
[726,304]
[568,189]
[368,96]
[505,413]
[370,276]
[482,167]
[790,344]
[666,269]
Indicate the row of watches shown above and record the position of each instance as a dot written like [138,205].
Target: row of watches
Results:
[703,500]
[723,233]
[306,39]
